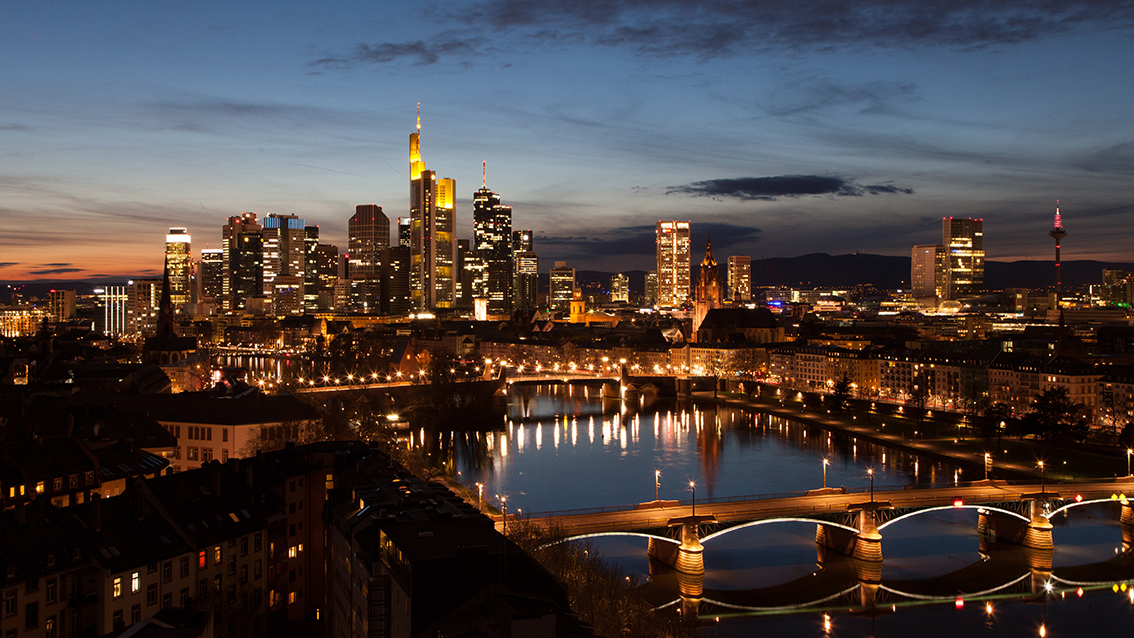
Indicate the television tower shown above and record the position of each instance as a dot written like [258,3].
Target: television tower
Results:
[1057,233]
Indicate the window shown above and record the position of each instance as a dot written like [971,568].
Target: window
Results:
[151,594]
[90,478]
[208,434]
[291,597]
[244,546]
[39,487]
[291,529]
[224,434]
[117,618]
[224,455]
[191,454]
[73,481]
[218,583]
[301,548]
[32,585]
[291,486]
[10,602]
[117,588]
[167,571]
[257,543]
[202,560]
[151,568]
[166,600]
[217,555]
[206,454]
[49,627]
[50,590]
[56,485]
[135,614]
[184,601]
[291,553]
[31,615]
[231,596]
[257,572]
[135,582]
[243,574]
[202,589]
[232,565]
[184,566]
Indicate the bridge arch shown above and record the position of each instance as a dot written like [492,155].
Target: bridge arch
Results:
[791,519]
[579,537]
[953,507]
[976,594]
[1077,504]
[814,603]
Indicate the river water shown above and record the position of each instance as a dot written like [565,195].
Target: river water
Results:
[563,448]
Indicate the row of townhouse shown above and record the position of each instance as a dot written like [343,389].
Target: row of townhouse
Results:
[960,381]
[241,542]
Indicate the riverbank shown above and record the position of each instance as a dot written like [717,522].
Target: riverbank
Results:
[887,425]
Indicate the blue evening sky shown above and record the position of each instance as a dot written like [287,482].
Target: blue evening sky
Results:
[785,127]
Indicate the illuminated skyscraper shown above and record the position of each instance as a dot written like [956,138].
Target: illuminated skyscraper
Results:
[310,273]
[369,231]
[178,261]
[739,278]
[927,273]
[673,263]
[405,233]
[562,281]
[210,275]
[651,296]
[61,304]
[285,247]
[963,242]
[620,288]
[242,240]
[432,226]
[492,236]
[526,291]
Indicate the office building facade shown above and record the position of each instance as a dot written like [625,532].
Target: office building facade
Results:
[562,288]
[739,278]
[432,233]
[178,261]
[963,242]
[673,263]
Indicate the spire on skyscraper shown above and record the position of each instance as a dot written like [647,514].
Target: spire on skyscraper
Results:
[484,174]
[419,117]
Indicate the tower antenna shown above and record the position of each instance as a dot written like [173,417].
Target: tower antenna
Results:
[419,117]
[484,173]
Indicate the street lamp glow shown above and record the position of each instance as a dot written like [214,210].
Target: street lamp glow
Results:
[693,489]
[826,462]
[870,473]
[657,483]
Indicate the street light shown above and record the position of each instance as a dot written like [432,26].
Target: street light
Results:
[504,509]
[1042,489]
[693,488]
[1128,453]
[870,473]
[657,483]
[479,494]
[826,462]
[987,463]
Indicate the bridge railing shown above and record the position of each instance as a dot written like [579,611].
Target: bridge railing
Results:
[878,489]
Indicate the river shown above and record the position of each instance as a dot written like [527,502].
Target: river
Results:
[563,448]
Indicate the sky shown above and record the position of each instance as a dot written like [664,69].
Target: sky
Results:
[782,127]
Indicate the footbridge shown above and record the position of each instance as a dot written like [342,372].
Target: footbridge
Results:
[621,385]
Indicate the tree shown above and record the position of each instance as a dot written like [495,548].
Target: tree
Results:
[841,393]
[996,417]
[1053,413]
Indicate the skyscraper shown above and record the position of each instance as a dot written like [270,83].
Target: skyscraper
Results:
[285,247]
[405,232]
[739,278]
[562,281]
[242,241]
[673,263]
[1057,233]
[927,273]
[369,233]
[527,280]
[963,242]
[651,296]
[210,276]
[620,288]
[178,260]
[432,225]
[310,274]
[326,271]
[492,236]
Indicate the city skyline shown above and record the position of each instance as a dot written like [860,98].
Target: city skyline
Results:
[826,133]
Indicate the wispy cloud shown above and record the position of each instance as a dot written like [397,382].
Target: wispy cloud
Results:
[717,28]
[8,264]
[14,127]
[417,52]
[55,271]
[773,188]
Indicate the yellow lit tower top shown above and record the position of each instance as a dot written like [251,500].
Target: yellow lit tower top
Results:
[416,165]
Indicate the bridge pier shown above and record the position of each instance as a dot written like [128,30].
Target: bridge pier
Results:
[611,390]
[1127,524]
[688,557]
[1038,535]
[1034,534]
[868,543]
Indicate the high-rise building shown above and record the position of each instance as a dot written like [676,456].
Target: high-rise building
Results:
[143,304]
[464,274]
[178,260]
[396,281]
[284,249]
[492,235]
[620,288]
[405,232]
[927,273]
[114,300]
[210,276]
[310,275]
[527,280]
[963,242]
[651,291]
[369,231]
[242,240]
[562,288]
[327,275]
[1117,287]
[673,263]
[1057,233]
[522,240]
[61,304]
[739,278]
[432,227]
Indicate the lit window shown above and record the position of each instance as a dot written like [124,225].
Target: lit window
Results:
[291,552]
[135,582]
[117,588]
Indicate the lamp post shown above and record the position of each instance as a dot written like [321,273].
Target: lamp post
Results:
[693,488]
[504,509]
[657,483]
[1128,453]
[479,494]
[826,462]
[1043,490]
[987,464]
[870,473]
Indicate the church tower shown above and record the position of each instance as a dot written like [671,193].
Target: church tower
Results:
[708,286]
